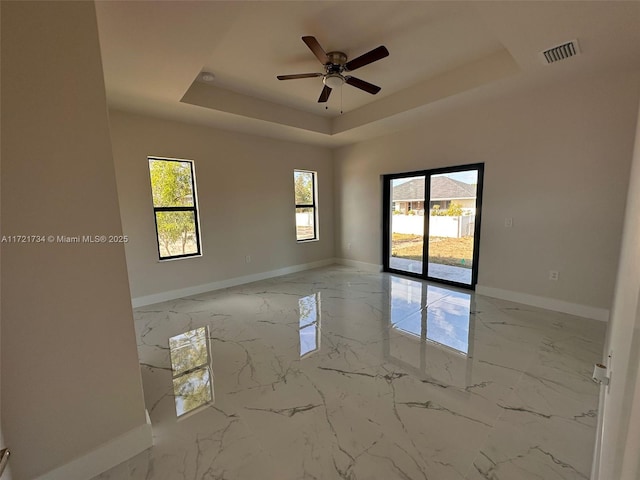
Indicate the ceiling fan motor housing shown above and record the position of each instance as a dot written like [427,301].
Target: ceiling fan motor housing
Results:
[334,69]
[337,59]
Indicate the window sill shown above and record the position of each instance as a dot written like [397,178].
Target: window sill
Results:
[163,260]
[308,241]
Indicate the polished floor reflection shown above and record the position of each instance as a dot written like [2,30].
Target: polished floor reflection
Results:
[341,374]
[444,315]
[309,311]
[191,368]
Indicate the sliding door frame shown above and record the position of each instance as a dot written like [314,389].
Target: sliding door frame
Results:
[386,221]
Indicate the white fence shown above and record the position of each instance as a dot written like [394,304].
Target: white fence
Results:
[304,219]
[444,226]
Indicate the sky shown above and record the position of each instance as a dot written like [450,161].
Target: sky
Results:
[468,176]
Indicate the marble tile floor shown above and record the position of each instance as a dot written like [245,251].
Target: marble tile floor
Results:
[336,373]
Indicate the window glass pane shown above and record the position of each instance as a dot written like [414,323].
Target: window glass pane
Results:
[176,233]
[452,221]
[305,224]
[171,183]
[407,223]
[304,187]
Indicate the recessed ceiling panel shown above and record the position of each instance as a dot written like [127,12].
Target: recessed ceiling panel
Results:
[424,39]
[439,52]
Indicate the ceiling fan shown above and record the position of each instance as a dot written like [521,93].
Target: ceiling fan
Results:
[336,65]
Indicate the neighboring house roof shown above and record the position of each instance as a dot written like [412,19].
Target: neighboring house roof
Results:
[442,188]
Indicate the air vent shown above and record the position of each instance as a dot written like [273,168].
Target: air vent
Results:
[561,52]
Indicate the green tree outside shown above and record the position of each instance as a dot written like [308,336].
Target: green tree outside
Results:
[454,210]
[303,188]
[171,186]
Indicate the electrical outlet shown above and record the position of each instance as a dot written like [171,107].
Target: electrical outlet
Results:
[349,246]
[508,222]
[247,259]
[553,275]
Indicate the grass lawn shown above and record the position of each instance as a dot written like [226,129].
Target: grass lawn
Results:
[442,250]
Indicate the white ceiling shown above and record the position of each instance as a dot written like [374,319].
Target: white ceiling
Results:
[441,54]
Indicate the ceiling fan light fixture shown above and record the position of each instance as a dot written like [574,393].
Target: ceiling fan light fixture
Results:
[333,80]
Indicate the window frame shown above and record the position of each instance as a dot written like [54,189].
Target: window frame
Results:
[194,209]
[313,205]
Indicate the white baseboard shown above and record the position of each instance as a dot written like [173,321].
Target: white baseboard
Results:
[106,456]
[231,282]
[368,267]
[553,304]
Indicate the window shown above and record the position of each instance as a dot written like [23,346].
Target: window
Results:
[174,206]
[306,210]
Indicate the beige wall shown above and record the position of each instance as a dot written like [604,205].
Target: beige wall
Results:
[245,198]
[70,376]
[7,473]
[620,441]
[556,161]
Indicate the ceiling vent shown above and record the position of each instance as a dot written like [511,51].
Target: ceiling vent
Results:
[561,52]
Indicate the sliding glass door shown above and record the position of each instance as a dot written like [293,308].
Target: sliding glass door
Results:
[442,206]
[407,224]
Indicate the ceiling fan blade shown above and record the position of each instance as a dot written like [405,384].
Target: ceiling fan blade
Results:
[369,57]
[324,95]
[317,50]
[362,85]
[299,75]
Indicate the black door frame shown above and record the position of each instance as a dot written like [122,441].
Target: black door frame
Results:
[386,222]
